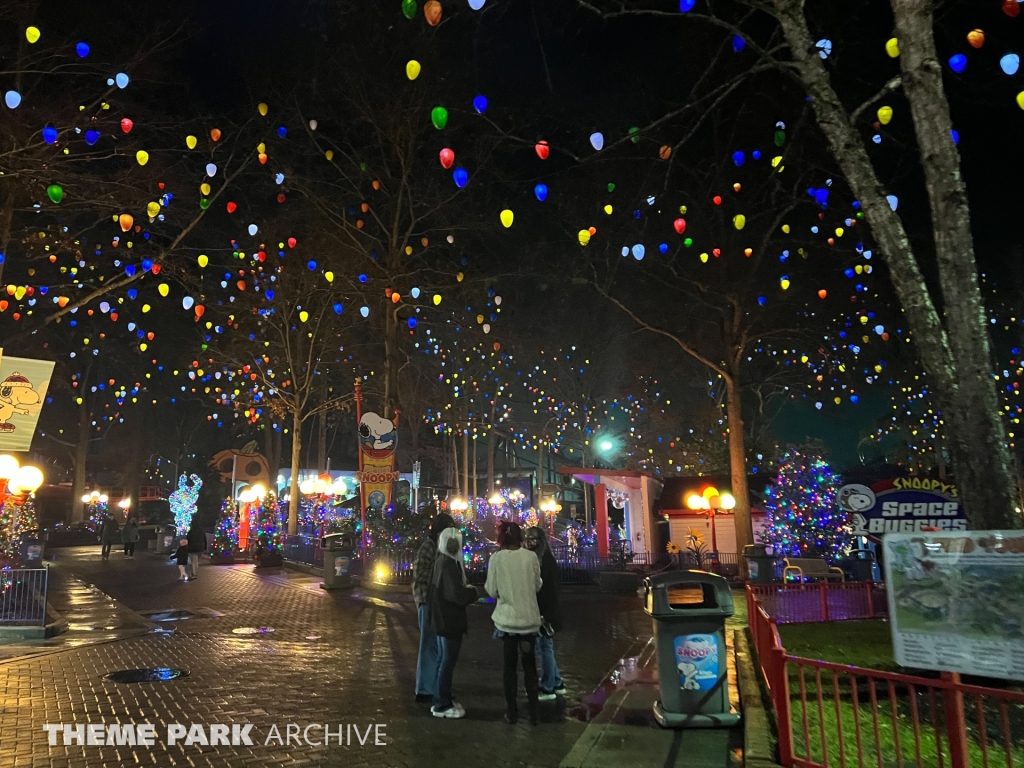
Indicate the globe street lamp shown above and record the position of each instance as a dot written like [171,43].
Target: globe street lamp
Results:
[17,482]
[710,501]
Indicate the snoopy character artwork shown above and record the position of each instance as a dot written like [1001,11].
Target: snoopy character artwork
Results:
[23,385]
[378,438]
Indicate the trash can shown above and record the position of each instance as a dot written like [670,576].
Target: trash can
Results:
[166,541]
[760,565]
[860,566]
[338,549]
[32,553]
[689,609]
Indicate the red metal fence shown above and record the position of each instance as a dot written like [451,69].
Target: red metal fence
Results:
[836,715]
[798,603]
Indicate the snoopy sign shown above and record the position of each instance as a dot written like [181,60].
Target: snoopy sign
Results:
[23,386]
[902,505]
[377,439]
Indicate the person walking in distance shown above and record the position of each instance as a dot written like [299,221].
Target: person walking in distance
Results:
[513,579]
[423,569]
[130,537]
[448,596]
[536,540]
[110,534]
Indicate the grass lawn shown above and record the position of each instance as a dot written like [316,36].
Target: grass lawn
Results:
[859,643]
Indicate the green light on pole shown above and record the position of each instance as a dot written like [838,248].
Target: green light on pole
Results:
[606,445]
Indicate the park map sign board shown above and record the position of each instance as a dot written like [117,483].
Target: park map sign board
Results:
[902,505]
[956,601]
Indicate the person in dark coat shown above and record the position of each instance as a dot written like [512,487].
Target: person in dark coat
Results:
[551,612]
[130,537]
[180,556]
[196,545]
[110,534]
[423,571]
[449,594]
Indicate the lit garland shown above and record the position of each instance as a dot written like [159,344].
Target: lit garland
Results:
[803,516]
[183,502]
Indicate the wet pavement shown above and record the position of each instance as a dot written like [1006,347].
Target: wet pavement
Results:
[332,658]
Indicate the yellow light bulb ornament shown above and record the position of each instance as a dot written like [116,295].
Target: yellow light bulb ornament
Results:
[204,188]
[608,209]
[203,260]
[784,282]
[584,236]
[892,47]
[191,141]
[507,217]
[437,299]
[739,221]
[329,276]
[303,316]
[884,115]
[142,157]
[412,69]
[164,289]
[263,108]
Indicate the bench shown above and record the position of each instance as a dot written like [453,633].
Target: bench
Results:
[811,568]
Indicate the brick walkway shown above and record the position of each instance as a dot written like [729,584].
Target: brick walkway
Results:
[332,658]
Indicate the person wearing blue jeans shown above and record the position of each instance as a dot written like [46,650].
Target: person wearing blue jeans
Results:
[429,652]
[550,677]
[547,601]
[428,659]
[449,594]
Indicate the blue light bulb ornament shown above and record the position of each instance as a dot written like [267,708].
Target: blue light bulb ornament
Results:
[480,104]
[461,177]
[82,49]
[541,192]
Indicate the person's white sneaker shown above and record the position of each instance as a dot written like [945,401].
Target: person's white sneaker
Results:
[560,690]
[452,712]
[544,696]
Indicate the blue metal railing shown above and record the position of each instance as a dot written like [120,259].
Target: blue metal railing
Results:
[23,596]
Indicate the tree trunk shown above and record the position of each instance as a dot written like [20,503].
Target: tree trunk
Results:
[293,490]
[455,465]
[134,467]
[81,459]
[738,470]
[321,442]
[980,481]
[984,477]
[490,455]
[465,462]
[392,361]
[474,468]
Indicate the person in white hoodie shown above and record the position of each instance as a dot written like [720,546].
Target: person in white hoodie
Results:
[513,579]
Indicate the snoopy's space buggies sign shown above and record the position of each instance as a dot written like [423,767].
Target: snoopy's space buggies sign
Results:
[902,505]
[23,385]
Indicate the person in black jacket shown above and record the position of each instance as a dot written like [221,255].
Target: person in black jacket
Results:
[448,596]
[551,612]
[180,555]
[196,545]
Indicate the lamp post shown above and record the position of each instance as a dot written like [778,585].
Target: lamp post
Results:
[459,506]
[126,505]
[550,507]
[323,487]
[710,500]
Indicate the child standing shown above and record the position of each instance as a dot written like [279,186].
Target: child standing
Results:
[181,556]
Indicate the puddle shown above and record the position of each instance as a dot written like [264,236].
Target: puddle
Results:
[251,630]
[149,675]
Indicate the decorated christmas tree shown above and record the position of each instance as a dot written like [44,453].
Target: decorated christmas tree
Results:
[803,516]
[17,519]
[225,537]
[269,526]
[183,502]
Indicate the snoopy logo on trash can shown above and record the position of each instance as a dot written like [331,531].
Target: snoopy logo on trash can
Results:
[697,661]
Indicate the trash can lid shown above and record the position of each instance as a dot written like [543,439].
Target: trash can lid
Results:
[688,593]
